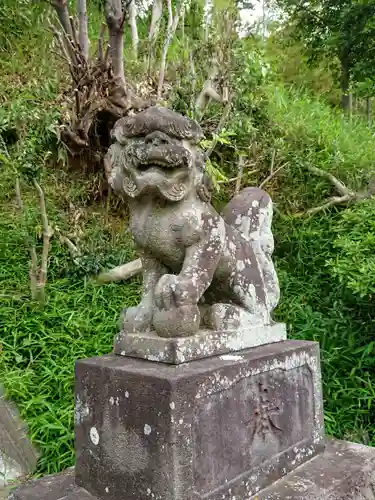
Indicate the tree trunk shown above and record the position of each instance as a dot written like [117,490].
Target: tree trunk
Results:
[61,7]
[83,30]
[157,10]
[133,27]
[115,23]
[345,84]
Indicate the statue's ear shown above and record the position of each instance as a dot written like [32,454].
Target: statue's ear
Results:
[205,188]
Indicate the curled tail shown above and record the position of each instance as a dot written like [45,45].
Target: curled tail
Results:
[250,212]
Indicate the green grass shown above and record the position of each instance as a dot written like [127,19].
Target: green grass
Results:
[40,344]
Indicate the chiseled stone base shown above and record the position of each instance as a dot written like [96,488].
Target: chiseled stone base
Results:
[217,428]
[344,471]
[204,344]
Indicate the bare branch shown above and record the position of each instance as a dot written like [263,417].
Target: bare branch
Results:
[271,176]
[123,272]
[46,241]
[208,91]
[341,188]
[73,250]
[335,200]
[172,26]
[83,36]
[61,44]
[347,195]
[74,31]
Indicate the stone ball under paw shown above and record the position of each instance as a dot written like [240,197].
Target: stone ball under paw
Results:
[181,321]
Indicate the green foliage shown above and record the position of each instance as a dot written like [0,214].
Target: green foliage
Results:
[354,241]
[317,308]
[343,29]
[16,20]
[39,345]
[307,132]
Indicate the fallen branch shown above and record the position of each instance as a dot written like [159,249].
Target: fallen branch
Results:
[347,195]
[119,273]
[341,188]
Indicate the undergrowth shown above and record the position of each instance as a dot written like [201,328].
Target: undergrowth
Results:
[325,262]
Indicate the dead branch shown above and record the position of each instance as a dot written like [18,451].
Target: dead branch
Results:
[171,29]
[272,175]
[341,188]
[46,243]
[83,36]
[208,91]
[37,275]
[119,273]
[73,249]
[347,195]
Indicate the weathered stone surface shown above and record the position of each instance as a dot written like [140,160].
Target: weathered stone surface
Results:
[17,456]
[201,269]
[221,428]
[53,487]
[345,471]
[203,344]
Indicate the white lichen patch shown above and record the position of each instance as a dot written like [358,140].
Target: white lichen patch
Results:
[94,436]
[231,357]
[147,429]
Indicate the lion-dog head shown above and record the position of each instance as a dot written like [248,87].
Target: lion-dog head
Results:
[155,153]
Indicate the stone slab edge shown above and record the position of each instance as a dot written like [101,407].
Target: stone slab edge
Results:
[344,471]
[205,344]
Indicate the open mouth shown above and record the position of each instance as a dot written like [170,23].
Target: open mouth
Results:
[166,168]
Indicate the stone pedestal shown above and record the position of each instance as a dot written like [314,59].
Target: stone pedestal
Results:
[240,426]
[204,344]
[217,428]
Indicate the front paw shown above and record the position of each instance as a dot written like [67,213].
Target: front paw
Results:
[174,291]
[136,319]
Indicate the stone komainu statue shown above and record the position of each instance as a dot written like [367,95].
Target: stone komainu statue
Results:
[201,269]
